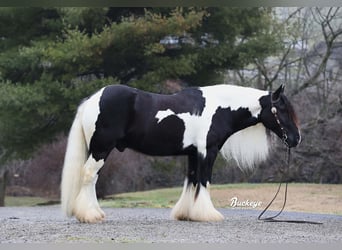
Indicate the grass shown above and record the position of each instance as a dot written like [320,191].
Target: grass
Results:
[302,197]
[319,198]
[166,197]
[24,201]
[159,198]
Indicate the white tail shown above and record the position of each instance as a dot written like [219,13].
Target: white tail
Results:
[75,158]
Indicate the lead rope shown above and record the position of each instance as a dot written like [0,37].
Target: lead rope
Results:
[273,218]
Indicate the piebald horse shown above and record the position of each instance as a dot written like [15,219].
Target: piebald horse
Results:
[196,122]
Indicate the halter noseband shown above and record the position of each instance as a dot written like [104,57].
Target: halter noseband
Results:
[274,112]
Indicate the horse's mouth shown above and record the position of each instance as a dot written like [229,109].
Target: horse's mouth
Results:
[292,141]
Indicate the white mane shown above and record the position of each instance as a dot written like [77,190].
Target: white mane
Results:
[248,147]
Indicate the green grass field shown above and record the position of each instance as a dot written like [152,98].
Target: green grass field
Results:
[24,201]
[159,198]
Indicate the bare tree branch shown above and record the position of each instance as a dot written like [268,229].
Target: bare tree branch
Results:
[330,37]
[282,64]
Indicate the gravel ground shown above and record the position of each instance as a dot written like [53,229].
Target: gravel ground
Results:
[135,225]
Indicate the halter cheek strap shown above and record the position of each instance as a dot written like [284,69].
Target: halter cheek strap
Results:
[284,134]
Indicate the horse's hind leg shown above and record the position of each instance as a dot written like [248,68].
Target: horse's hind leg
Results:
[87,208]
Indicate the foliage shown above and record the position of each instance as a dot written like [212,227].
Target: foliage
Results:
[52,58]
[34,114]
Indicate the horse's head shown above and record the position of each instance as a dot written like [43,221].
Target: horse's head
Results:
[278,115]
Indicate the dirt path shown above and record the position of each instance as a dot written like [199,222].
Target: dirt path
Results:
[140,225]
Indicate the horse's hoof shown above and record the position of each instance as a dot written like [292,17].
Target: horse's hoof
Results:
[209,216]
[90,216]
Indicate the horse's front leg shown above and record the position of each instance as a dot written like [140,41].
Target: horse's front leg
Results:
[203,208]
[182,208]
[195,203]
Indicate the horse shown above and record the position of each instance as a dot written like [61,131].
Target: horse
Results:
[198,122]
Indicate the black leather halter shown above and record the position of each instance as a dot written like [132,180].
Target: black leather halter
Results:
[275,113]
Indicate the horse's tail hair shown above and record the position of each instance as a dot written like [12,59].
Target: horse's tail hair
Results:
[75,158]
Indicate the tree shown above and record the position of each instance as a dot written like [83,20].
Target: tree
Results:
[70,52]
[51,58]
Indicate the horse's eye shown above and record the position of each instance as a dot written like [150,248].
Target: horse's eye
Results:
[283,106]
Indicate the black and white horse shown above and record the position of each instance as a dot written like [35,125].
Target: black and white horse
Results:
[197,122]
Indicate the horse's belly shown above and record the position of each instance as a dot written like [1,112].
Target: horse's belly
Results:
[163,138]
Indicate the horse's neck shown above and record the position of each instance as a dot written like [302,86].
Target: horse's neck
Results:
[234,97]
[245,123]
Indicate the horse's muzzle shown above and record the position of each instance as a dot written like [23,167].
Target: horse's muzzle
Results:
[293,140]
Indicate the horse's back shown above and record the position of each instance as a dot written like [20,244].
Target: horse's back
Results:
[147,122]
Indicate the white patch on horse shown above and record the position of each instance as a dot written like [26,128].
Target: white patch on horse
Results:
[91,113]
[194,133]
[162,114]
[233,96]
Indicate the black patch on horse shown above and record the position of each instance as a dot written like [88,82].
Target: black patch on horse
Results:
[231,120]
[189,100]
[127,118]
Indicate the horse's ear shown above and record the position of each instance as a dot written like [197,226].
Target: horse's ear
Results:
[276,94]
